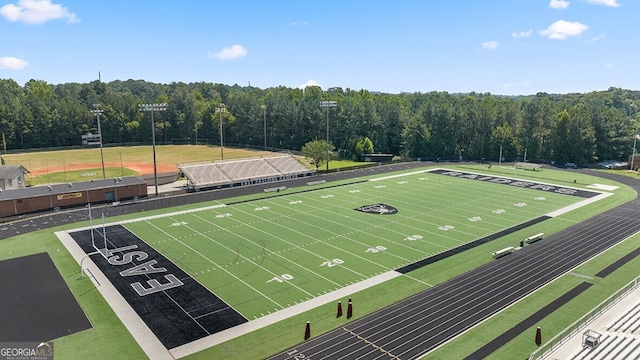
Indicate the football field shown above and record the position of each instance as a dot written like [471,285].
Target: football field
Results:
[265,255]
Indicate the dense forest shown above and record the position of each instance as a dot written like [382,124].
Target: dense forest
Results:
[578,128]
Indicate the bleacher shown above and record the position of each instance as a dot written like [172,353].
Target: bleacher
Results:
[612,346]
[247,169]
[629,322]
[204,174]
[528,166]
[613,331]
[229,172]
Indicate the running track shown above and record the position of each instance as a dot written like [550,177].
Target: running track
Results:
[419,324]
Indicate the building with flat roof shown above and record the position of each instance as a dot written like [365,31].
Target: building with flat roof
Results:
[59,196]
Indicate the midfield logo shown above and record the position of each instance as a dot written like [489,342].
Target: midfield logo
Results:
[380,209]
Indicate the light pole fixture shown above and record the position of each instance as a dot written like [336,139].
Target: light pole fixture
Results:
[220,109]
[327,105]
[96,111]
[152,108]
[264,112]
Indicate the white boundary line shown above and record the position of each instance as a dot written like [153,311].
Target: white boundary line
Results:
[579,204]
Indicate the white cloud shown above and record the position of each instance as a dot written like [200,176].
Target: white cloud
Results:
[36,12]
[228,53]
[490,45]
[609,65]
[309,83]
[559,4]
[522,34]
[12,63]
[561,29]
[303,23]
[611,3]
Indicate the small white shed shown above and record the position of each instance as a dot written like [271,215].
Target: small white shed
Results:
[12,177]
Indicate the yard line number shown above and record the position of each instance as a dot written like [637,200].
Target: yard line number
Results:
[282,278]
[332,263]
[376,249]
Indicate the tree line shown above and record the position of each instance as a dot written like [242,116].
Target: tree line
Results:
[582,128]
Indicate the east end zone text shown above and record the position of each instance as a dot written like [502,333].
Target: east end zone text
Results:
[146,268]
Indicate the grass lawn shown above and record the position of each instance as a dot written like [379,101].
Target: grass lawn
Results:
[285,227]
[81,175]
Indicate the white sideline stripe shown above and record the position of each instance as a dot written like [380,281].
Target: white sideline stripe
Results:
[603,187]
[401,175]
[147,340]
[146,218]
[239,330]
[579,204]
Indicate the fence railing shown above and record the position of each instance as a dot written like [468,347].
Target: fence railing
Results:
[577,327]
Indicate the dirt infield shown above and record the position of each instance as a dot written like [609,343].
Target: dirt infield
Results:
[140,168]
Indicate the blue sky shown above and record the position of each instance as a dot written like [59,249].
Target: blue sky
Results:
[507,47]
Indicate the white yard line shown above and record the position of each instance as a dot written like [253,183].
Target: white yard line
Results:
[215,264]
[274,253]
[247,260]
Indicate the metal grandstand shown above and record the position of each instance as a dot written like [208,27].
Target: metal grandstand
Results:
[249,171]
[611,331]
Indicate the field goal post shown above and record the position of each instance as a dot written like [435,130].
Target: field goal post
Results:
[102,251]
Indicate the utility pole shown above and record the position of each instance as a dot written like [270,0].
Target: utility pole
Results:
[327,105]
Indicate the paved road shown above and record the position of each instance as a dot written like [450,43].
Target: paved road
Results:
[416,326]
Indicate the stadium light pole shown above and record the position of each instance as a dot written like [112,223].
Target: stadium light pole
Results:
[152,108]
[96,111]
[220,110]
[264,113]
[327,105]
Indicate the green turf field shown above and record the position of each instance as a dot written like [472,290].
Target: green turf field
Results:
[110,338]
[81,175]
[265,255]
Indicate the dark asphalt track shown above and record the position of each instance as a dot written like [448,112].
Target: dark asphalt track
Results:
[419,324]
